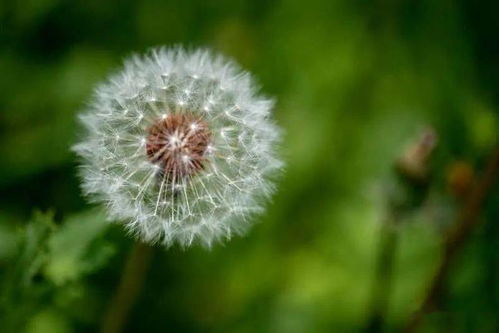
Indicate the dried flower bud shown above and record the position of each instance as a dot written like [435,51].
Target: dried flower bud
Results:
[414,162]
[179,147]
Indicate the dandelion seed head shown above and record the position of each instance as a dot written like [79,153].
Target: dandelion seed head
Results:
[180,147]
[178,144]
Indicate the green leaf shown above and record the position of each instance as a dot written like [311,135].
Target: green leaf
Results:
[49,260]
[20,289]
[78,248]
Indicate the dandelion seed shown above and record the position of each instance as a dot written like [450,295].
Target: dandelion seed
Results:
[179,147]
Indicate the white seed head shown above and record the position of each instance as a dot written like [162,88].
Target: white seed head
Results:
[180,147]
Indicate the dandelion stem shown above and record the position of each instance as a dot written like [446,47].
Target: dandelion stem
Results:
[130,286]
[456,238]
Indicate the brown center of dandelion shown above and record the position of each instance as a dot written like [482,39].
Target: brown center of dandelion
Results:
[178,144]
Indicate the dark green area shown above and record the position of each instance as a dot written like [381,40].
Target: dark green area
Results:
[355,82]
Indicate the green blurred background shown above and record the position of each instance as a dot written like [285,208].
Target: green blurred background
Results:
[355,82]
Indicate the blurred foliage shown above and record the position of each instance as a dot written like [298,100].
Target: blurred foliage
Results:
[46,271]
[355,82]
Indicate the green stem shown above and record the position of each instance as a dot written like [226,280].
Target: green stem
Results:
[381,288]
[134,273]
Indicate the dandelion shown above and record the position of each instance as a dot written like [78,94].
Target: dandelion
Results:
[179,147]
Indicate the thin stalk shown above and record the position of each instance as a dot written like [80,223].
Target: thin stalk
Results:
[130,286]
[456,239]
[383,275]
